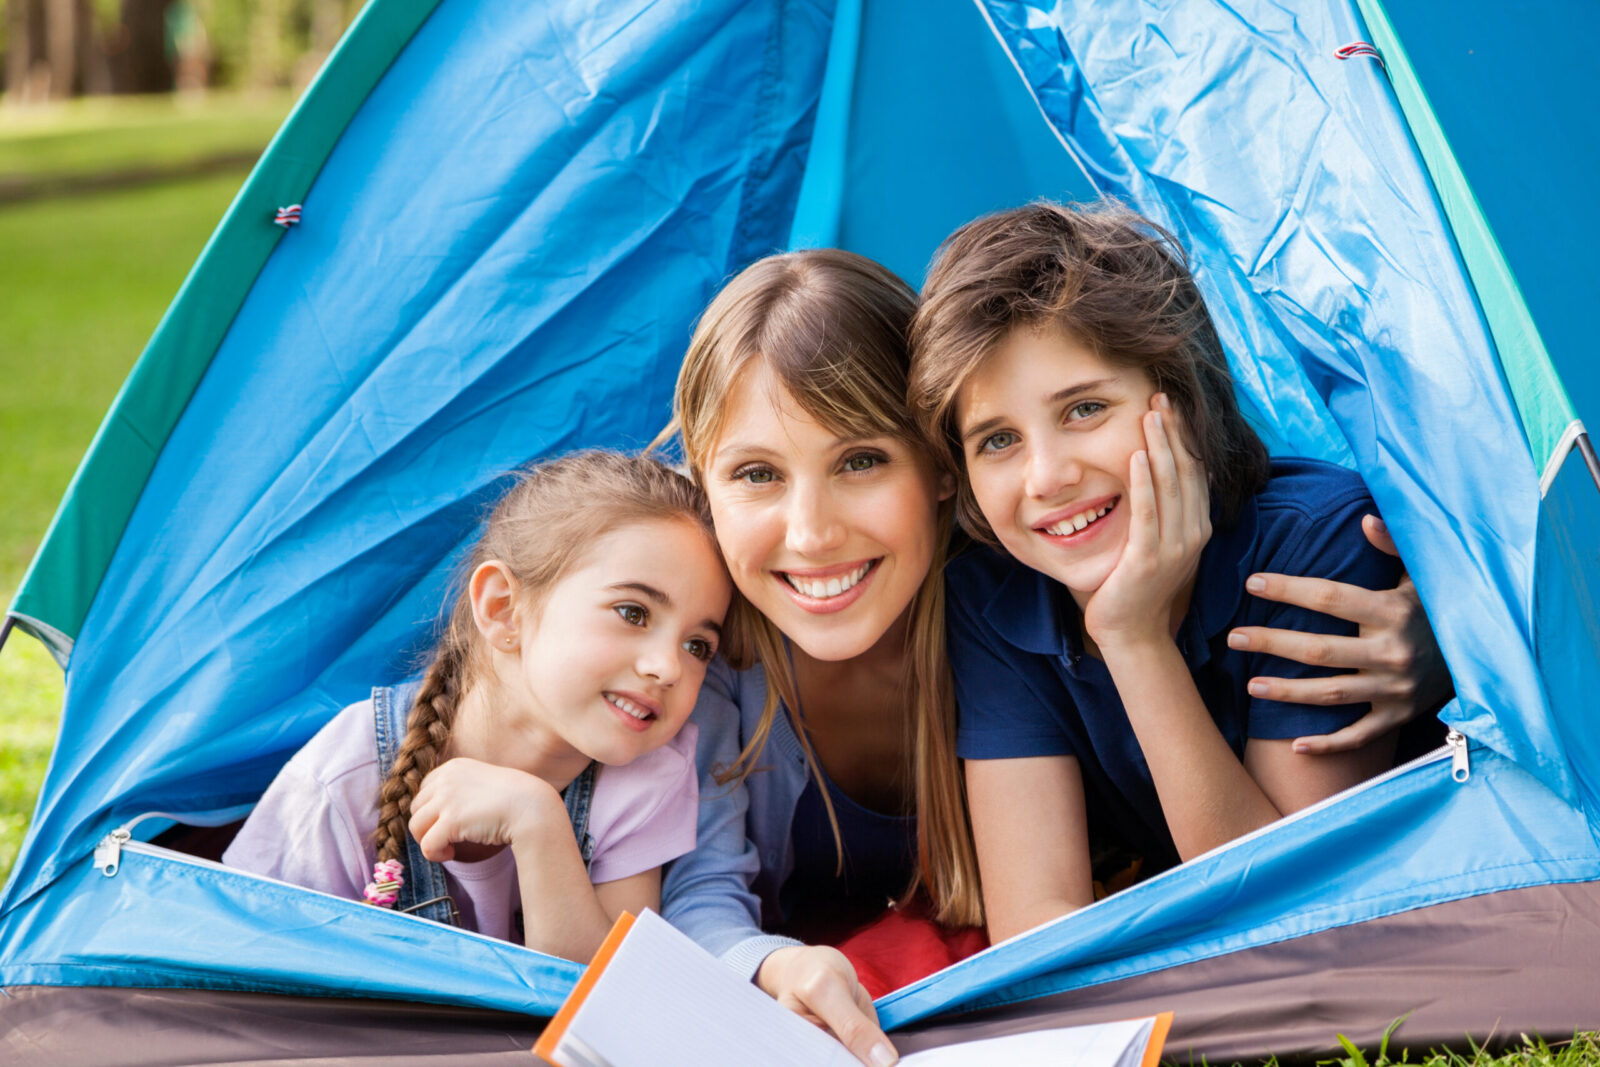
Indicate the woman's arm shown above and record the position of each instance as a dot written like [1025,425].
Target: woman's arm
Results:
[706,893]
[1395,660]
[1031,832]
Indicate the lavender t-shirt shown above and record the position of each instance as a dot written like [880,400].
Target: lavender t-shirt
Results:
[314,825]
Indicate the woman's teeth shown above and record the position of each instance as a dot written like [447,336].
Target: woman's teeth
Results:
[624,704]
[823,588]
[1074,523]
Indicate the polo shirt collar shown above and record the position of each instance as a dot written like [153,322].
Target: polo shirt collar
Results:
[1036,613]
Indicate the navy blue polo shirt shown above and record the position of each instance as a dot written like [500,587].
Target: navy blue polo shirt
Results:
[1024,686]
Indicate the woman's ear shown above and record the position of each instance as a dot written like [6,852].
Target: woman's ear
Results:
[947,486]
[496,602]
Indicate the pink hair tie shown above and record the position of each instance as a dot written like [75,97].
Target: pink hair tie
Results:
[387,878]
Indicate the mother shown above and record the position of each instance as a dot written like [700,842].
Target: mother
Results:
[834,519]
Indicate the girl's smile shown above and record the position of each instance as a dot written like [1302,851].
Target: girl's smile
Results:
[1048,429]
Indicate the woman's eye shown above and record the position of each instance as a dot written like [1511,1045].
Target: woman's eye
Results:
[861,461]
[753,475]
[1087,409]
[998,442]
[632,614]
[699,648]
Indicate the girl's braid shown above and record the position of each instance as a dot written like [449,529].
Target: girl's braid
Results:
[427,732]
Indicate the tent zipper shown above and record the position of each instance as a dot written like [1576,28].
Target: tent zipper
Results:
[108,860]
[1460,762]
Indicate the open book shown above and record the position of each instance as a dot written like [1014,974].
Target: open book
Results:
[653,998]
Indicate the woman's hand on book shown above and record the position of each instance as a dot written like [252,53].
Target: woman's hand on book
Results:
[1396,663]
[819,984]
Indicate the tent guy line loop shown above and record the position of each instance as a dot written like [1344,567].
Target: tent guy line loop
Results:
[287,216]
[1362,48]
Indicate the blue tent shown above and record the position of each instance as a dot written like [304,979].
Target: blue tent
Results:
[512,214]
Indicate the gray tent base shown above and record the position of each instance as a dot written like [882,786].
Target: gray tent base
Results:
[1441,967]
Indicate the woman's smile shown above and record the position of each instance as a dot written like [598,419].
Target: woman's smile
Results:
[827,534]
[821,590]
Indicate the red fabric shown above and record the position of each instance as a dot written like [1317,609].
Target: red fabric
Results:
[904,945]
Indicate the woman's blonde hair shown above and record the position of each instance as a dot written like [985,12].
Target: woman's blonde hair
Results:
[831,327]
[541,530]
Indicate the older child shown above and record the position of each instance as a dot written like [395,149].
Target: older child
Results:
[551,720]
[1066,361]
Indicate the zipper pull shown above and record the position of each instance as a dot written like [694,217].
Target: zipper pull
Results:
[108,853]
[1460,765]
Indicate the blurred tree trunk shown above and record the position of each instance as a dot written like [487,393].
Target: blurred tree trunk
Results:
[140,63]
[24,46]
[62,29]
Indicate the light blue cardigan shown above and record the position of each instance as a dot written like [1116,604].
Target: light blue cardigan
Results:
[720,893]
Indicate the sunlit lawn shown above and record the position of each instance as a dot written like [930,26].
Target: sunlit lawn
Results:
[83,282]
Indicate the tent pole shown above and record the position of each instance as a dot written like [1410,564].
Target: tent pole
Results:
[5,631]
[1589,458]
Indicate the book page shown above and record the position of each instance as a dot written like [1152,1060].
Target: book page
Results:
[1118,1044]
[663,1001]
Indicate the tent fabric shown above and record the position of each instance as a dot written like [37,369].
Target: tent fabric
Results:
[61,581]
[500,258]
[1430,969]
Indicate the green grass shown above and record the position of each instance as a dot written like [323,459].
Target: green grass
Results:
[83,282]
[96,135]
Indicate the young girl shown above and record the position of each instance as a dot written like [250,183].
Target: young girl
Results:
[551,720]
[1067,362]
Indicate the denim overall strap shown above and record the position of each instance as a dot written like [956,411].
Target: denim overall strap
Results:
[578,795]
[424,891]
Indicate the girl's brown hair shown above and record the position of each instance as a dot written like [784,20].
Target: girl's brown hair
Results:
[540,530]
[1111,279]
[1107,277]
[831,327]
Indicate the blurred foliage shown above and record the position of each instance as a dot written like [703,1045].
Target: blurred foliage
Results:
[142,46]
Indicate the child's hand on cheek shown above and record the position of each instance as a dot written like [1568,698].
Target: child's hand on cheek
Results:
[466,800]
[1169,523]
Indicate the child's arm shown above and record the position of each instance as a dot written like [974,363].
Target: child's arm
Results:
[1031,833]
[1208,796]
[467,800]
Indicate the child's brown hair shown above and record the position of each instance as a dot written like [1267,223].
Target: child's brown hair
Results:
[1107,277]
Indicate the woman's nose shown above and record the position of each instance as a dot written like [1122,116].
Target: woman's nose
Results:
[814,526]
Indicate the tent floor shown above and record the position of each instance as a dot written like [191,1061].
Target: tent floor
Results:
[1492,967]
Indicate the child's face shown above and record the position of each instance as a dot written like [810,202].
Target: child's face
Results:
[829,537]
[614,655]
[1047,430]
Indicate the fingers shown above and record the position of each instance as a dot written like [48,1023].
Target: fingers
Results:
[820,985]
[432,834]
[1371,726]
[1316,650]
[1327,692]
[1144,520]
[1377,532]
[1348,602]
[1164,475]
